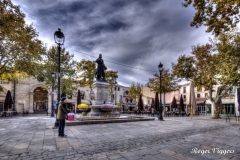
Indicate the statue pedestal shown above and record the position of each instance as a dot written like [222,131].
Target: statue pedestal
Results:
[101,95]
[101,92]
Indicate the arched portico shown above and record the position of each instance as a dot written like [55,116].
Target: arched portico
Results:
[40,98]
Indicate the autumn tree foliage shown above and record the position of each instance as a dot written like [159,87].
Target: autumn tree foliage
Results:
[87,70]
[49,64]
[111,76]
[20,48]
[135,90]
[214,64]
[169,82]
[218,15]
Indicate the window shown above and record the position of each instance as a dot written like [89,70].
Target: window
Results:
[184,89]
[198,95]
[149,101]
[206,94]
[231,90]
[115,88]
[184,96]
[118,88]
[4,82]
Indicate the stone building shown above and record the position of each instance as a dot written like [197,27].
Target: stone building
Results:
[204,106]
[28,95]
[33,96]
[183,90]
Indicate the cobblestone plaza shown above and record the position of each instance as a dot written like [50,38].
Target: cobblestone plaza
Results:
[32,137]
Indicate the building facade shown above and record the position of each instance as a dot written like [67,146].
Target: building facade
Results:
[167,98]
[35,97]
[204,106]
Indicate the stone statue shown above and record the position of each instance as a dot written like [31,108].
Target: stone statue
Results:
[100,74]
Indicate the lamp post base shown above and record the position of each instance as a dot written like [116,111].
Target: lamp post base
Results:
[160,118]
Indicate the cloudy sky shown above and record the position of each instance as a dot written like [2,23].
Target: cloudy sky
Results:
[132,35]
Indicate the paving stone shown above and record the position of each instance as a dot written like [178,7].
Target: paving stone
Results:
[133,140]
[168,152]
[111,157]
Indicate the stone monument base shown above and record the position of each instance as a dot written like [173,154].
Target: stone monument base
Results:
[101,98]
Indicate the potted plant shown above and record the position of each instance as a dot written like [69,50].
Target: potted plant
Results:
[126,99]
[83,107]
[107,107]
[126,92]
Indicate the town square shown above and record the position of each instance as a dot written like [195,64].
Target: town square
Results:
[32,137]
[119,79]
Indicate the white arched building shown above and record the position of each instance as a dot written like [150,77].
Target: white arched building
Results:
[28,92]
[33,96]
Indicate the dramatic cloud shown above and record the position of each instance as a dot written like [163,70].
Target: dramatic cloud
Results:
[133,35]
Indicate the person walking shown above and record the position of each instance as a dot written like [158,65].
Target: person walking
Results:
[61,116]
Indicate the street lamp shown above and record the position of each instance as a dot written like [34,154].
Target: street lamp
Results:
[53,79]
[59,39]
[160,117]
[115,92]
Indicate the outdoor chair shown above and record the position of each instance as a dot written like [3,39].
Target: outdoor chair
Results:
[182,114]
[177,114]
[149,113]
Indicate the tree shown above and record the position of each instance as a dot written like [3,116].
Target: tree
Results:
[213,64]
[50,64]
[135,90]
[20,50]
[87,70]
[111,76]
[217,15]
[169,83]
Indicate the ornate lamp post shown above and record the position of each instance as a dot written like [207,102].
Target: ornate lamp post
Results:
[160,117]
[59,39]
[53,79]
[115,92]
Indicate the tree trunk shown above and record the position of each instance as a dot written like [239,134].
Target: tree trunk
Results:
[164,108]
[216,110]
[213,109]
[217,103]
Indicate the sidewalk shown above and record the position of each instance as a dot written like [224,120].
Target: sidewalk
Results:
[32,137]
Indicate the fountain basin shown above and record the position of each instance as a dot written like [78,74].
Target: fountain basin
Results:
[84,109]
[86,120]
[106,109]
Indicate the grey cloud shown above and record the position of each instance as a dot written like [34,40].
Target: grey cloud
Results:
[137,33]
